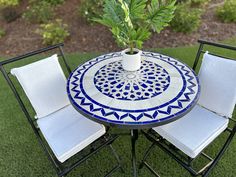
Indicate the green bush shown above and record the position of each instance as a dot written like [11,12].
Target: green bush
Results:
[199,2]
[2,33]
[52,2]
[90,9]
[54,32]
[40,12]
[8,10]
[195,3]
[10,13]
[9,2]
[227,12]
[186,19]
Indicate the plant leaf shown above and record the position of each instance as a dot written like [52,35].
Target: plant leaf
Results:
[137,9]
[112,14]
[125,8]
[160,15]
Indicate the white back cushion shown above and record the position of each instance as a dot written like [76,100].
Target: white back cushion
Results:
[44,84]
[218,84]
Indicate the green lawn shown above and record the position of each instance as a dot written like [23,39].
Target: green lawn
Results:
[22,156]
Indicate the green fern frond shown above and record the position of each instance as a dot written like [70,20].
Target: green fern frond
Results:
[160,16]
[137,8]
[125,8]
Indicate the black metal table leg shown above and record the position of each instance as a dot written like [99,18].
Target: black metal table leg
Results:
[134,137]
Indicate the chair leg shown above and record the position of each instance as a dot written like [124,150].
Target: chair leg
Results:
[144,162]
[204,172]
[220,154]
[146,155]
[112,171]
[117,158]
[151,169]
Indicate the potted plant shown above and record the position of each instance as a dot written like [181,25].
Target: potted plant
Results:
[131,23]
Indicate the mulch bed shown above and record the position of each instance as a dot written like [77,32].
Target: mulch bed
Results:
[21,36]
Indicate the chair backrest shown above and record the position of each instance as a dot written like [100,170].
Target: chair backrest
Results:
[217,77]
[218,84]
[44,84]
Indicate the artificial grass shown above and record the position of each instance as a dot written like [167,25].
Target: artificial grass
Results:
[22,156]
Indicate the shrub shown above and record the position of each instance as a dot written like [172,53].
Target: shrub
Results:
[199,2]
[186,19]
[10,14]
[227,12]
[90,9]
[52,2]
[9,2]
[54,32]
[2,33]
[195,3]
[40,12]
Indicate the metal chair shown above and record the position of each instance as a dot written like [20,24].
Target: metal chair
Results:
[60,129]
[186,138]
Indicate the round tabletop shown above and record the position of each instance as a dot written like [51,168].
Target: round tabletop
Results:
[162,90]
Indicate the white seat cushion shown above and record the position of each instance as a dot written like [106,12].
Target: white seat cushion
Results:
[193,132]
[68,132]
[218,84]
[44,84]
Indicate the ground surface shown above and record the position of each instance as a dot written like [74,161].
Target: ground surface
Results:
[22,156]
[21,36]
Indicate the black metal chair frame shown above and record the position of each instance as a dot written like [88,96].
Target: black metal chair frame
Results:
[181,158]
[61,169]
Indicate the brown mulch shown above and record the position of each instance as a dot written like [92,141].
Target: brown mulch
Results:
[21,36]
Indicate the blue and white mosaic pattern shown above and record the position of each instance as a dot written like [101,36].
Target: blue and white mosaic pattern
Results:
[160,91]
[113,81]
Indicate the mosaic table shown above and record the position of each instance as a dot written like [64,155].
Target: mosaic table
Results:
[161,91]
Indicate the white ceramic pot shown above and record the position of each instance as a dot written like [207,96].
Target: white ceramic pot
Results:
[131,62]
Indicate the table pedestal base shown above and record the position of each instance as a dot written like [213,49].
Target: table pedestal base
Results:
[134,137]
